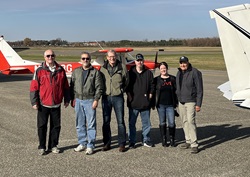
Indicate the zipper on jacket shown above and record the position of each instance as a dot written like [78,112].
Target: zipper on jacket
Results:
[110,85]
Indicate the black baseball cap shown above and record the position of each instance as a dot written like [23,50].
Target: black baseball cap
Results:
[139,57]
[183,59]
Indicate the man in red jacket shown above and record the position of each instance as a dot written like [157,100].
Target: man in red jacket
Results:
[47,90]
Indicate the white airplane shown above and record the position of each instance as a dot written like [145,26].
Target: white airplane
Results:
[233,24]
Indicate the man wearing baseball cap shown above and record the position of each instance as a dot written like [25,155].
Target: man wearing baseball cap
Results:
[189,90]
[140,92]
[183,59]
[139,57]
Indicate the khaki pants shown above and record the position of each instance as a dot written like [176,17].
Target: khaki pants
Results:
[187,115]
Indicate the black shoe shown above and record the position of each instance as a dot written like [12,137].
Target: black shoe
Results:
[106,147]
[194,150]
[172,142]
[164,142]
[132,146]
[122,149]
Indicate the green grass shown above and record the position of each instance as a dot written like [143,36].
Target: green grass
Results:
[207,58]
[200,61]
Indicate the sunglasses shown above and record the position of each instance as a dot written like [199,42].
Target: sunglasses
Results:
[85,58]
[50,56]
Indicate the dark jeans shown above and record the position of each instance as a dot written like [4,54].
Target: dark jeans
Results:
[55,126]
[117,102]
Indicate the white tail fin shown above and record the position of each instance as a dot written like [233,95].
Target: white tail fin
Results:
[11,56]
[233,24]
[235,44]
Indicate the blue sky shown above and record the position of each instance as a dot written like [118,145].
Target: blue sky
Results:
[89,20]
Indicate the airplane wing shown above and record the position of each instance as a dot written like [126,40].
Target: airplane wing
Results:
[101,55]
[246,103]
[226,89]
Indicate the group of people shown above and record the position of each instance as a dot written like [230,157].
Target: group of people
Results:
[88,85]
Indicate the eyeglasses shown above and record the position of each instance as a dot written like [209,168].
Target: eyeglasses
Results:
[50,56]
[86,59]
[138,60]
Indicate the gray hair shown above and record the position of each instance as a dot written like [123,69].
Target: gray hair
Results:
[87,53]
[111,51]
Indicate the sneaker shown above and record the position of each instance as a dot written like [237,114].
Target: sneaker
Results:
[131,146]
[89,151]
[55,150]
[185,146]
[194,150]
[148,144]
[41,152]
[79,148]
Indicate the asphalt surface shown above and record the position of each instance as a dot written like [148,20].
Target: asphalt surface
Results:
[223,133]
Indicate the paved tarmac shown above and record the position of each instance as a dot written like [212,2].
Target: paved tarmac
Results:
[223,133]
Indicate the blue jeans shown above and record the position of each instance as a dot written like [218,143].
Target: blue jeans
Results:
[117,102]
[146,124]
[85,122]
[166,115]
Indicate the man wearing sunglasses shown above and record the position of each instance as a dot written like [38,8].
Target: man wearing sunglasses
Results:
[47,90]
[116,80]
[86,87]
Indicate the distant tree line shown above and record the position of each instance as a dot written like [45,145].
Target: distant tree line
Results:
[195,42]
[27,42]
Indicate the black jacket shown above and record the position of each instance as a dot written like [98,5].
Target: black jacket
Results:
[140,86]
[158,83]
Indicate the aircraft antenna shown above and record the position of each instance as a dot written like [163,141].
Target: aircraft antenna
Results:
[99,44]
[131,56]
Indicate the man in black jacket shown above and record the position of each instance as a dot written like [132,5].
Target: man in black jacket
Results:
[140,92]
[189,91]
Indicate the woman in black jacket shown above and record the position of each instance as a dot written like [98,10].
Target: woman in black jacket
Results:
[166,102]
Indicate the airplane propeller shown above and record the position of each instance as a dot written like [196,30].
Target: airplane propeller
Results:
[156,58]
